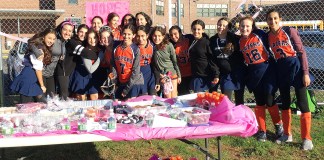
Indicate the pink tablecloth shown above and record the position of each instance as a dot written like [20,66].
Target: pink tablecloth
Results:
[226,119]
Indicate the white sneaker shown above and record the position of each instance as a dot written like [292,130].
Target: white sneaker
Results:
[284,138]
[307,145]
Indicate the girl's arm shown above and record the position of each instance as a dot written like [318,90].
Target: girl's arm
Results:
[301,53]
[299,48]
[173,58]
[92,67]
[135,73]
[38,66]
[73,47]
[212,63]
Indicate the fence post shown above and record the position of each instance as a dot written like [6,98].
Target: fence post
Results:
[1,73]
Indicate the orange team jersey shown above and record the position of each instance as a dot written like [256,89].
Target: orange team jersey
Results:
[124,58]
[146,54]
[117,34]
[107,59]
[281,45]
[253,50]
[181,50]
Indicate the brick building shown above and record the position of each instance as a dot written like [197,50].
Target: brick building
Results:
[24,18]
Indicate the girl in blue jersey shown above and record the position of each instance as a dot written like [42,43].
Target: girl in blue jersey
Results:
[29,83]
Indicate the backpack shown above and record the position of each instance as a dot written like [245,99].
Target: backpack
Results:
[312,103]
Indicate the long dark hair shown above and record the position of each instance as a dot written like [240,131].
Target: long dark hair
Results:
[132,20]
[165,40]
[111,16]
[59,27]
[147,18]
[38,41]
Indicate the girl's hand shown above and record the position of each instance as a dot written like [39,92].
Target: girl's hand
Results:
[179,80]
[43,89]
[157,87]
[215,81]
[111,76]
[306,80]
[123,95]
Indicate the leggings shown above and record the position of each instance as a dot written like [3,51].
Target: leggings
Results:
[301,96]
[26,99]
[263,97]
[50,85]
[63,84]
[238,95]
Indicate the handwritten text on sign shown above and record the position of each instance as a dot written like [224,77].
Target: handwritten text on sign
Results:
[102,9]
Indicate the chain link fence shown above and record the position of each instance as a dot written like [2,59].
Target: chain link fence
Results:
[20,19]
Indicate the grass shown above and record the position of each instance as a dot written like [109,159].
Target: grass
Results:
[232,148]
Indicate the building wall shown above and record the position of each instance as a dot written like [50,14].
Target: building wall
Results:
[147,6]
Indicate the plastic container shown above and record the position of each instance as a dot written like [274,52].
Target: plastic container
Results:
[66,124]
[139,108]
[111,122]
[7,127]
[196,115]
[82,124]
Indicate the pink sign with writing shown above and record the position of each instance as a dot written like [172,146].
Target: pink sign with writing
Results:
[102,9]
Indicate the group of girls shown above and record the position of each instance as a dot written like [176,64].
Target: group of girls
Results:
[141,59]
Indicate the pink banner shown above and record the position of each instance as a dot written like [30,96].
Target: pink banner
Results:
[102,9]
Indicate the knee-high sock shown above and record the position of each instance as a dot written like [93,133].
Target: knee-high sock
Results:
[286,120]
[305,125]
[260,116]
[274,113]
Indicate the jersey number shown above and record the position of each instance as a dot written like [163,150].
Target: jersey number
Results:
[146,61]
[253,56]
[282,53]
[122,66]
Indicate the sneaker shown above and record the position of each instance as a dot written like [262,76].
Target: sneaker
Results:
[279,130]
[307,145]
[284,138]
[261,136]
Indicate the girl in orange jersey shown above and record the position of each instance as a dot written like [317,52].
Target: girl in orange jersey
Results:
[261,78]
[165,62]
[292,68]
[126,66]
[181,45]
[112,20]
[225,48]
[146,52]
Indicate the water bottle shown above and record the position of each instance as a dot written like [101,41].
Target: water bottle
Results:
[66,125]
[111,122]
[178,103]
[82,124]
[149,117]
[108,105]
[154,100]
[7,127]
[183,117]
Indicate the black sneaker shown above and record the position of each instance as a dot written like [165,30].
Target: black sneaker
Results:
[261,136]
[279,130]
